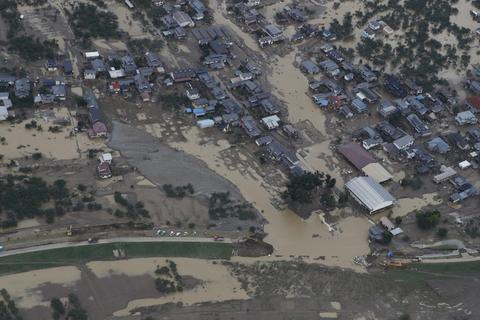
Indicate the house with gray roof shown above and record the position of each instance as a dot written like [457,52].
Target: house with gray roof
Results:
[309,67]
[6,79]
[466,117]
[438,145]
[22,88]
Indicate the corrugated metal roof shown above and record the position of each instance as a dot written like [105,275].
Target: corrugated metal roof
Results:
[370,193]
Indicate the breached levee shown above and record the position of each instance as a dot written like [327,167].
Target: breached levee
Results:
[201,163]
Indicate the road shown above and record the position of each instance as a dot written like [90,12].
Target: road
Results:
[105,241]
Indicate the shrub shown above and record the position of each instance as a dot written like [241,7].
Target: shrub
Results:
[37,156]
[57,306]
[427,220]
[165,286]
[442,232]
[120,199]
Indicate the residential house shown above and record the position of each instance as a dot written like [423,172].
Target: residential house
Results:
[192,94]
[364,93]
[128,65]
[183,75]
[114,73]
[420,127]
[366,73]
[473,135]
[98,130]
[249,125]
[143,87]
[368,34]
[309,67]
[359,106]
[438,145]
[94,115]
[274,32]
[3,113]
[183,19]
[153,61]
[445,174]
[387,109]
[290,131]
[103,170]
[215,61]
[89,74]
[473,104]
[404,142]
[22,88]
[263,141]
[269,107]
[458,140]
[231,106]
[252,3]
[92,54]
[6,79]
[219,93]
[271,122]
[296,13]
[330,67]
[417,106]
[388,131]
[60,92]
[199,8]
[51,65]
[393,85]
[67,66]
[403,106]
[374,25]
[98,65]
[5,100]
[466,117]
[412,87]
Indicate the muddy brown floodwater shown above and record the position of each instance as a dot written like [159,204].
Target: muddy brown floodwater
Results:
[20,142]
[289,234]
[23,286]
[217,282]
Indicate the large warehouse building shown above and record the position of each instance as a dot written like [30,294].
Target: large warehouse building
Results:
[370,194]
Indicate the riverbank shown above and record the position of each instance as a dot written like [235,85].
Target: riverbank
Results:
[73,255]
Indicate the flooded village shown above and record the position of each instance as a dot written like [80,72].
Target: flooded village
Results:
[191,159]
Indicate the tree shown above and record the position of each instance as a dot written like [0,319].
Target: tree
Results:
[442,232]
[387,237]
[165,286]
[328,200]
[427,220]
[117,196]
[302,188]
[57,306]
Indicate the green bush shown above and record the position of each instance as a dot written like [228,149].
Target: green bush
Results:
[442,232]
[427,220]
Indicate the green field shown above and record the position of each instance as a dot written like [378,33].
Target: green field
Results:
[427,271]
[74,255]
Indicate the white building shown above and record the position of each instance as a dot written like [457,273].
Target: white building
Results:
[370,194]
[271,122]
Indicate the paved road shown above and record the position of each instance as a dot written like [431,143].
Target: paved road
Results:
[111,240]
